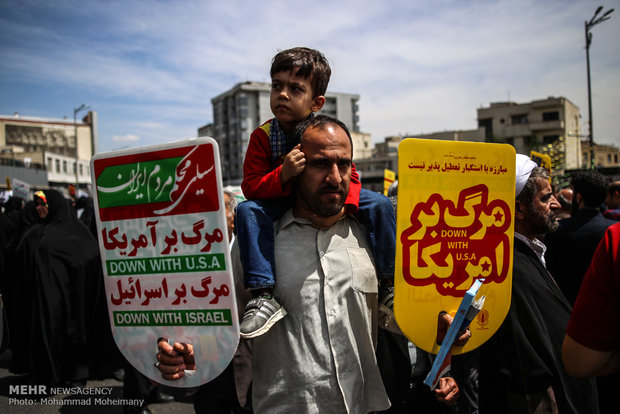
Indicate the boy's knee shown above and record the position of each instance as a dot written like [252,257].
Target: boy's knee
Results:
[246,205]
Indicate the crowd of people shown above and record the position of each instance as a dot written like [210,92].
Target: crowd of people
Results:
[304,160]
[55,313]
[53,290]
[314,271]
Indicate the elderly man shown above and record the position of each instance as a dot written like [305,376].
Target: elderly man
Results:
[520,366]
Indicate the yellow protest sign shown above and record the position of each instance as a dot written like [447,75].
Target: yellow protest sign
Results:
[543,160]
[388,178]
[455,224]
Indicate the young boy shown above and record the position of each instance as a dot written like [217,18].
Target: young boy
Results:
[299,78]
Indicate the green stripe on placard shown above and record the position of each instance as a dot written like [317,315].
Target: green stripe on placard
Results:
[137,183]
[157,265]
[191,317]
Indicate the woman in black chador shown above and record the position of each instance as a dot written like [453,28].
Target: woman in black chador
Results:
[61,262]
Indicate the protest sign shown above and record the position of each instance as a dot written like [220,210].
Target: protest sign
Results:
[389,177]
[455,225]
[164,247]
[543,160]
[20,189]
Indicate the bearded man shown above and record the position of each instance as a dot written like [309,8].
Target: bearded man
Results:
[521,367]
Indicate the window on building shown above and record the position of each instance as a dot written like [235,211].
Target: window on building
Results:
[531,141]
[487,124]
[64,166]
[551,116]
[518,119]
[49,163]
[586,158]
[57,166]
[81,169]
[615,158]
[609,158]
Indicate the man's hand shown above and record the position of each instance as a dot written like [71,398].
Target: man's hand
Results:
[294,164]
[174,360]
[447,391]
[443,324]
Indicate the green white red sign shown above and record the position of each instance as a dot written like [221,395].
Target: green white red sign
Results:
[164,247]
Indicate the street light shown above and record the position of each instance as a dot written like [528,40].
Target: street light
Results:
[75,112]
[588,25]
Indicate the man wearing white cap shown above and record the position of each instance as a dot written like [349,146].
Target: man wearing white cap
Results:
[520,366]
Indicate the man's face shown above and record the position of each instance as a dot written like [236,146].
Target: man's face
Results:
[613,201]
[291,99]
[41,208]
[540,215]
[324,184]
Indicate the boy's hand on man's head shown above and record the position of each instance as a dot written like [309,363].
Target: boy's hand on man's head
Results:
[294,164]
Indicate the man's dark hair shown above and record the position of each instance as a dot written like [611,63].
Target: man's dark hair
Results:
[613,188]
[529,190]
[592,186]
[307,63]
[320,122]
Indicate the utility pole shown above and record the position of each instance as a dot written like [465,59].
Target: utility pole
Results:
[75,112]
[588,25]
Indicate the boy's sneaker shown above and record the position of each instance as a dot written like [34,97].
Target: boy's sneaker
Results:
[261,313]
[386,310]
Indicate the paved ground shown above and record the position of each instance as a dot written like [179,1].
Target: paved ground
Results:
[12,401]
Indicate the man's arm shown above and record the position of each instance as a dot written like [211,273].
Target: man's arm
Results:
[581,361]
[592,343]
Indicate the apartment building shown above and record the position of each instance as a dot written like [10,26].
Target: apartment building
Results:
[545,125]
[51,144]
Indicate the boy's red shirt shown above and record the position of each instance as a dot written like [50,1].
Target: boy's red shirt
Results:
[261,175]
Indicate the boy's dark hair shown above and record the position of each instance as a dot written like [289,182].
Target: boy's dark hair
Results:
[320,122]
[308,63]
[592,186]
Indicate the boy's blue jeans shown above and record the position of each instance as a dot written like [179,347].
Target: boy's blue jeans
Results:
[254,226]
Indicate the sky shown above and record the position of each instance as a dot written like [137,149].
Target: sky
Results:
[150,68]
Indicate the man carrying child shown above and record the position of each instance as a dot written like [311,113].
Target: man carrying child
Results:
[272,163]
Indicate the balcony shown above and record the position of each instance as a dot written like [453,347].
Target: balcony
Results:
[547,125]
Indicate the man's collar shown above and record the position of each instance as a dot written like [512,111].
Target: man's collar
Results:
[536,245]
[289,218]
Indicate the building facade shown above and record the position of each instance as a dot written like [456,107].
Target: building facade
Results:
[362,145]
[604,155]
[547,125]
[240,110]
[51,144]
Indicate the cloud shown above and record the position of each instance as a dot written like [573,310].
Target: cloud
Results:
[151,68]
[128,137]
